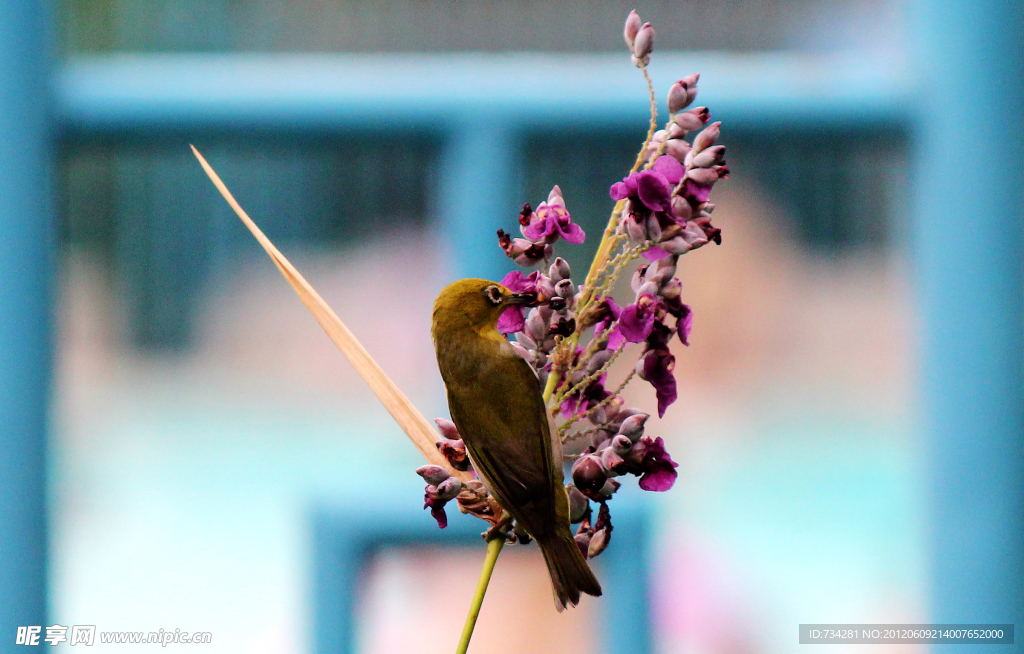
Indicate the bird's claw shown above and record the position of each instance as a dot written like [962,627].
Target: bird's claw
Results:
[499,529]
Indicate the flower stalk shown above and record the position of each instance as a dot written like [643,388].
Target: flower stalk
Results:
[493,550]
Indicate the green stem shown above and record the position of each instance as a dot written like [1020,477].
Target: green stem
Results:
[493,549]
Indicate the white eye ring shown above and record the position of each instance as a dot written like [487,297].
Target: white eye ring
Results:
[493,294]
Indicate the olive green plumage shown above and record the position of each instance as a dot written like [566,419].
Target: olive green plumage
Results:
[497,404]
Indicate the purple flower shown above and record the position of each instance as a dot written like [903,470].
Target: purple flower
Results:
[653,190]
[699,182]
[660,336]
[658,365]
[659,470]
[685,324]
[607,313]
[651,206]
[436,510]
[517,282]
[551,221]
[652,187]
[578,403]
[435,497]
[699,192]
[655,254]
[511,320]
[683,315]
[637,320]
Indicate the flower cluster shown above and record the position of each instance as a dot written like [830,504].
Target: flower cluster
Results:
[540,230]
[442,487]
[667,202]
[571,334]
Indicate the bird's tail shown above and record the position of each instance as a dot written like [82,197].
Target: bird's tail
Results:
[570,574]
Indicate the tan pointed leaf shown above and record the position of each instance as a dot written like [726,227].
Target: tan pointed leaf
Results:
[412,422]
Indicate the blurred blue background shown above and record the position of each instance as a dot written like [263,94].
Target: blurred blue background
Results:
[851,415]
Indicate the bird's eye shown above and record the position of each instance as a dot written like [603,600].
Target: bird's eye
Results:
[493,294]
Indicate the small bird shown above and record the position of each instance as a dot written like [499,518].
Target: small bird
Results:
[497,404]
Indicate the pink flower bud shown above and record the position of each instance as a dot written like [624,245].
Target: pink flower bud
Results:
[636,453]
[702,175]
[677,149]
[707,137]
[447,428]
[583,542]
[523,353]
[653,228]
[649,287]
[671,289]
[709,157]
[631,28]
[597,360]
[621,444]
[536,326]
[633,426]
[578,504]
[545,288]
[565,288]
[677,98]
[448,489]
[643,45]
[682,93]
[656,140]
[639,367]
[598,543]
[663,269]
[609,488]
[692,119]
[612,462]
[637,280]
[681,208]
[559,270]
[432,474]
[635,230]
[675,245]
[524,339]
[555,196]
[694,235]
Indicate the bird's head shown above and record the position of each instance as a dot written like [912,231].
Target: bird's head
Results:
[474,304]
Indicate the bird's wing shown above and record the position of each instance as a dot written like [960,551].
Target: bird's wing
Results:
[502,420]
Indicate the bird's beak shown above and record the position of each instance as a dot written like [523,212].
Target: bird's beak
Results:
[521,298]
